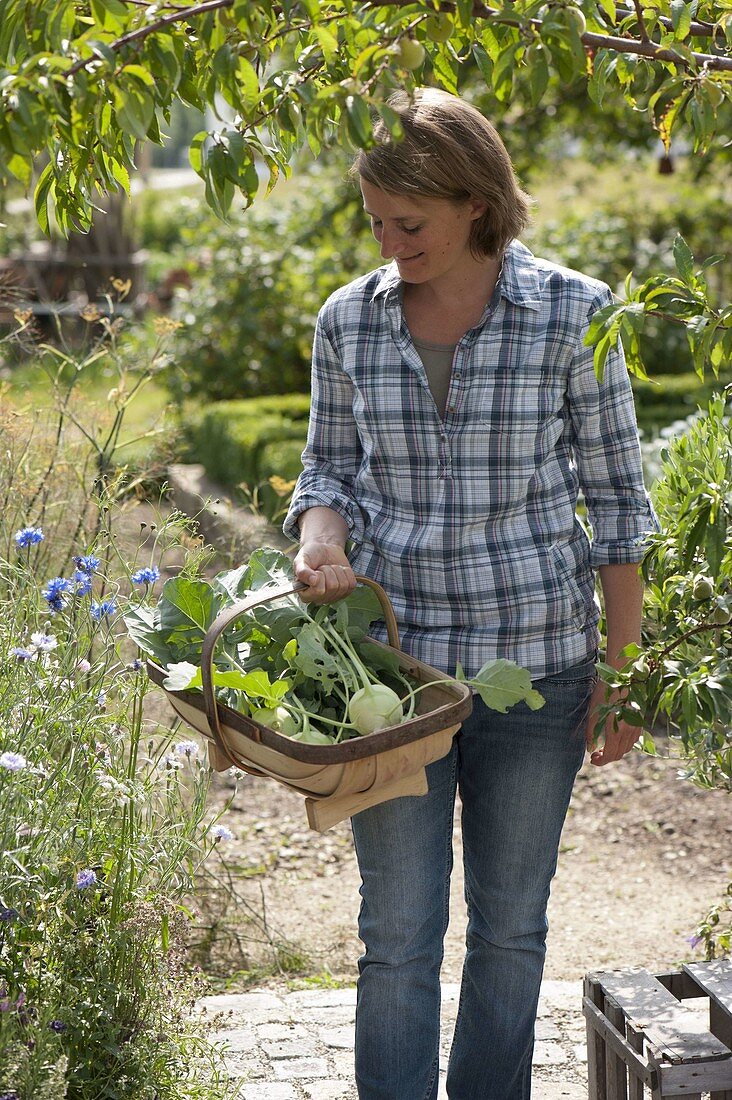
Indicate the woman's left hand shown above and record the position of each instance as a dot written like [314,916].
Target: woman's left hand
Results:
[616,739]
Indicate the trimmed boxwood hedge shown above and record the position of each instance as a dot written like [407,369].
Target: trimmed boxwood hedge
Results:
[246,442]
[241,444]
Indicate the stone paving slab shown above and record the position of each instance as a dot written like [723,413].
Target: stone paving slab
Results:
[298,1045]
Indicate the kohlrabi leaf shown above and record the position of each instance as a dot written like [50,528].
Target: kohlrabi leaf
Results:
[501,684]
[233,583]
[314,660]
[363,609]
[182,675]
[255,684]
[268,566]
[143,624]
[379,658]
[187,608]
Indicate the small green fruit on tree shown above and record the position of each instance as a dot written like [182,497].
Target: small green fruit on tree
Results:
[439,27]
[411,53]
[721,614]
[703,589]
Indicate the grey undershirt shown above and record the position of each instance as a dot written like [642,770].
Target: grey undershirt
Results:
[437,361]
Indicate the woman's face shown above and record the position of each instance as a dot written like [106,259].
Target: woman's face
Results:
[428,238]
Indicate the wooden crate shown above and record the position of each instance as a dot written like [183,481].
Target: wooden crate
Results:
[642,1041]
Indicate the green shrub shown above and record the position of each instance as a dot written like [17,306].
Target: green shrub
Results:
[246,442]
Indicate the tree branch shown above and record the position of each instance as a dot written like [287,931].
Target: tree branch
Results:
[150,28]
[683,637]
[594,41]
[644,35]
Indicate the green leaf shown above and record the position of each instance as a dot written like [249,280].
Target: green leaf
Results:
[195,152]
[681,17]
[328,43]
[684,260]
[716,542]
[314,660]
[501,684]
[134,107]
[484,64]
[248,82]
[379,658]
[538,74]
[269,566]
[392,121]
[143,625]
[110,15]
[186,609]
[21,168]
[44,190]
[255,684]
[445,70]
[363,608]
[359,120]
[503,73]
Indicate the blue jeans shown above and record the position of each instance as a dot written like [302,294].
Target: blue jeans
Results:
[515,774]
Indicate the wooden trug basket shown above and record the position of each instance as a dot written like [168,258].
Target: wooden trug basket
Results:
[337,780]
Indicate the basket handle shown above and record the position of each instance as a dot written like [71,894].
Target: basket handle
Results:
[229,615]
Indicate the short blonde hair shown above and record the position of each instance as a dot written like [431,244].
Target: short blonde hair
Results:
[449,151]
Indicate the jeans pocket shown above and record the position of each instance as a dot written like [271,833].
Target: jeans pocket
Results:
[584,672]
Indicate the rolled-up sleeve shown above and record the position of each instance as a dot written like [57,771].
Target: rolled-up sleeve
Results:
[607,453]
[332,455]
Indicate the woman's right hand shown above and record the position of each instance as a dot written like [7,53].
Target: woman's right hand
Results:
[324,568]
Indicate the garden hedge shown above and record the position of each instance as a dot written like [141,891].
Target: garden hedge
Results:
[246,442]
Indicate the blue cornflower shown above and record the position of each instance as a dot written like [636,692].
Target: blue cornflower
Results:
[146,576]
[8,915]
[87,563]
[187,748]
[8,1095]
[220,832]
[13,761]
[20,653]
[54,592]
[85,878]
[99,610]
[28,536]
[58,1026]
[83,582]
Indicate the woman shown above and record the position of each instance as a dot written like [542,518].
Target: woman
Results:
[455,415]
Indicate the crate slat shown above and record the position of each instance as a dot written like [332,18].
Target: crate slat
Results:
[714,980]
[605,1035]
[592,1007]
[617,1078]
[673,1032]
[635,1083]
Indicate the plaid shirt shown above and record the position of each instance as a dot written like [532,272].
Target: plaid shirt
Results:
[469,522]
